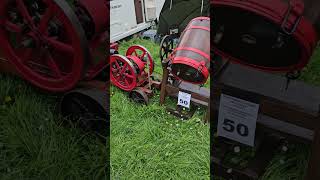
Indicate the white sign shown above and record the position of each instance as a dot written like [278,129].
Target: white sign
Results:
[237,119]
[184,99]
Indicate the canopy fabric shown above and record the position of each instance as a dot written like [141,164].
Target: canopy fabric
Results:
[180,14]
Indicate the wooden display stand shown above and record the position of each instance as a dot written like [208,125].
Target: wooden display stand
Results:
[290,115]
[200,96]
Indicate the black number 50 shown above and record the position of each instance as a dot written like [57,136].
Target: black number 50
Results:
[183,102]
[230,126]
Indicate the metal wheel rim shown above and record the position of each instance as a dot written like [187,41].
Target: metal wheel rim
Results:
[138,96]
[166,47]
[132,49]
[76,47]
[126,69]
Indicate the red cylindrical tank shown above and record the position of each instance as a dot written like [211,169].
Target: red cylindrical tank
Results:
[191,58]
[272,35]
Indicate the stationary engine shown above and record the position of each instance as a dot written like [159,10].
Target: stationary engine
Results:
[53,44]
[190,60]
[132,70]
[61,47]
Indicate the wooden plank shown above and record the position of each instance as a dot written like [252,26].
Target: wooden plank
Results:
[195,98]
[195,89]
[284,127]
[164,82]
[272,86]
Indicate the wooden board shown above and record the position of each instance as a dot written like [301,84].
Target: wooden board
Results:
[273,86]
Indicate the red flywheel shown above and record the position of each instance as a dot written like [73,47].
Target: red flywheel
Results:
[143,54]
[45,41]
[133,70]
[122,72]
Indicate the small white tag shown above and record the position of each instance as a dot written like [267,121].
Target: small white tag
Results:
[184,99]
[237,119]
[174,31]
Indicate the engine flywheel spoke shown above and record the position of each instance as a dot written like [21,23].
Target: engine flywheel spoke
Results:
[53,66]
[60,46]
[45,19]
[24,12]
[12,27]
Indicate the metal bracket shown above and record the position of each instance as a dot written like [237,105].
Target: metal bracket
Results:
[294,7]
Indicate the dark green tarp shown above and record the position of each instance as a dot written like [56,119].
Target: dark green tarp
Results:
[180,14]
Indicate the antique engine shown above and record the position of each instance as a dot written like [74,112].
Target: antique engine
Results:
[53,45]
[61,47]
[134,73]
[133,70]
[186,67]
[190,60]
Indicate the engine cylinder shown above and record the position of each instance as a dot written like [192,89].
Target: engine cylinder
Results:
[191,58]
[271,35]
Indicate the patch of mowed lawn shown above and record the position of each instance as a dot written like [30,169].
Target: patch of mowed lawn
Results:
[148,143]
[35,145]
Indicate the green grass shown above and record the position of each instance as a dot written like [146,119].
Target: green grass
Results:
[311,73]
[147,143]
[34,144]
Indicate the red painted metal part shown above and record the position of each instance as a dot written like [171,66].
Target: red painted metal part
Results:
[191,58]
[133,70]
[98,11]
[275,11]
[141,57]
[55,62]
[114,46]
[122,72]
[98,56]
[41,67]
[141,52]
[140,64]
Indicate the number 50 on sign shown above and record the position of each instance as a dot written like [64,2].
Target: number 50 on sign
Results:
[184,99]
[237,119]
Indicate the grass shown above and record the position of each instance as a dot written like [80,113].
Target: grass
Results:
[311,73]
[35,145]
[147,143]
